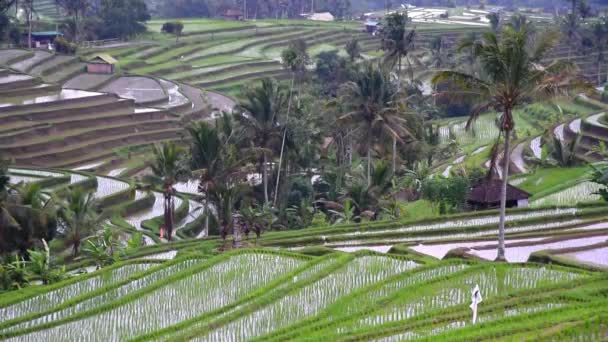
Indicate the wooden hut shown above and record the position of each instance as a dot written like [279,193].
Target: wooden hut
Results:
[371,26]
[42,39]
[101,64]
[486,195]
[233,14]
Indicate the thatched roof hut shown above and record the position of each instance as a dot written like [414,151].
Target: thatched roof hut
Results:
[486,195]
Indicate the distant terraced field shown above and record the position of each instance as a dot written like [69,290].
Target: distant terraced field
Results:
[54,114]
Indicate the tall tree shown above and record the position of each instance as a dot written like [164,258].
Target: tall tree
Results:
[28,8]
[260,119]
[598,33]
[370,101]
[514,74]
[79,217]
[570,28]
[122,18]
[397,40]
[169,166]
[296,58]
[220,166]
[494,18]
[76,9]
[26,215]
[353,49]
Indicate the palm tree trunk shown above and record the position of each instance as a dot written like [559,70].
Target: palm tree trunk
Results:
[265,178]
[29,30]
[503,199]
[369,166]
[599,70]
[394,155]
[399,69]
[76,245]
[276,191]
[206,208]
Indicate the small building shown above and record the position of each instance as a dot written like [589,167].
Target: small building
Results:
[371,26]
[486,195]
[42,39]
[101,64]
[233,14]
[321,16]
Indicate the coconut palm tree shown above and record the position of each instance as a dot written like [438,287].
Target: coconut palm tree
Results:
[372,110]
[397,41]
[353,49]
[296,59]
[221,159]
[260,121]
[494,19]
[26,215]
[169,166]
[215,159]
[438,55]
[514,75]
[79,217]
[570,28]
[598,33]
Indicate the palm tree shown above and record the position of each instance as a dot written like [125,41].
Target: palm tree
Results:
[438,53]
[169,167]
[259,119]
[26,215]
[570,29]
[372,110]
[494,18]
[514,75]
[28,7]
[295,58]
[397,41]
[220,165]
[599,39]
[353,49]
[466,56]
[366,198]
[79,217]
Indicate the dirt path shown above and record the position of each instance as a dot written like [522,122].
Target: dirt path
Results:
[220,102]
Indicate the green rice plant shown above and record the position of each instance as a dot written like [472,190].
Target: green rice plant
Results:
[199,292]
[46,301]
[309,300]
[105,297]
[584,191]
[495,281]
[435,329]
[545,325]
[358,301]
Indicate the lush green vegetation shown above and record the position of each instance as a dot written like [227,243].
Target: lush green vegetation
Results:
[328,196]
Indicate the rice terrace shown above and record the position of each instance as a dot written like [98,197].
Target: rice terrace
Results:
[336,170]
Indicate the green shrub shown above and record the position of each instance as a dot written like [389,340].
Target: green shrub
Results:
[63,46]
[172,27]
[316,250]
[605,95]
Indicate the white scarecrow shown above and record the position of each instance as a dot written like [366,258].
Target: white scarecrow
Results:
[475,300]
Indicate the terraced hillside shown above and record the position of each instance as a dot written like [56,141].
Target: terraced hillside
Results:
[125,207]
[54,114]
[267,295]
[47,10]
[226,59]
